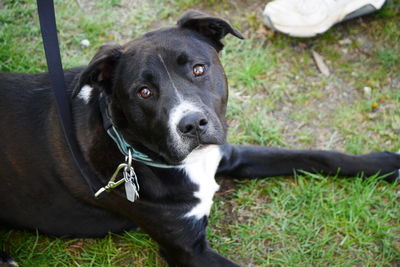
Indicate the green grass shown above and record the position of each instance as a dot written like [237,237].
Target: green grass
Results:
[313,220]
[277,98]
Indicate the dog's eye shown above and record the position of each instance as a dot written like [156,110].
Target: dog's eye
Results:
[145,93]
[199,70]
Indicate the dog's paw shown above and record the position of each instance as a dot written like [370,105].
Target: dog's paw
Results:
[7,261]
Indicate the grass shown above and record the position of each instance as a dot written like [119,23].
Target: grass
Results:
[312,221]
[277,98]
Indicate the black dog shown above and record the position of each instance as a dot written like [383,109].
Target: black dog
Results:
[166,94]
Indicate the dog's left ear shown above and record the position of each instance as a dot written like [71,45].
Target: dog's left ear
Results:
[99,73]
[211,27]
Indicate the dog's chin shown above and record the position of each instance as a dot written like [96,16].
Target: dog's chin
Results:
[180,157]
[175,152]
[171,155]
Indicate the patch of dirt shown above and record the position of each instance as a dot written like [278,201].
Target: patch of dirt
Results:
[226,186]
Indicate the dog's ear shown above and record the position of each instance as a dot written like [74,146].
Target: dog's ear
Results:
[99,72]
[211,27]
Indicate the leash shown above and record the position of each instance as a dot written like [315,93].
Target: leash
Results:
[56,74]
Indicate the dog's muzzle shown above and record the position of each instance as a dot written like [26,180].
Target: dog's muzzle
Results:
[191,126]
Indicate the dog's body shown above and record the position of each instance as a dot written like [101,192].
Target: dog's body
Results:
[167,94]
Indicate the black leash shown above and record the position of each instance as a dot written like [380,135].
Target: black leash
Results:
[56,74]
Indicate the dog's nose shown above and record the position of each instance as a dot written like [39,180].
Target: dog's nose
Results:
[193,124]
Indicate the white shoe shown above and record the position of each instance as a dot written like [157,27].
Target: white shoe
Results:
[306,18]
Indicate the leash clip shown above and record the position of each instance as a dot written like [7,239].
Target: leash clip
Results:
[129,178]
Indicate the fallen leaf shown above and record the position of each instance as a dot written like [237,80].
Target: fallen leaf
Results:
[323,68]
[76,247]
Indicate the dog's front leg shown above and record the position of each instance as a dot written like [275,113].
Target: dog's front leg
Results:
[183,243]
[181,238]
[207,257]
[259,162]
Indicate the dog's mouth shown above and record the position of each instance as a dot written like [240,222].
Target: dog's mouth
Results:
[170,155]
[174,153]
[179,158]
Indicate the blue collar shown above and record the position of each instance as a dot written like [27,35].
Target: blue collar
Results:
[119,140]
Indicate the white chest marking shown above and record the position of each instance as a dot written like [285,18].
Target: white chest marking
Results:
[85,93]
[201,166]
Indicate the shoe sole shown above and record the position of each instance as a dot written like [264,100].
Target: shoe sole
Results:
[314,30]
[365,10]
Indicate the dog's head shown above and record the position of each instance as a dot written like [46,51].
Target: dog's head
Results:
[167,89]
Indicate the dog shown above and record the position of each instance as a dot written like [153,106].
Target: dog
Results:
[165,95]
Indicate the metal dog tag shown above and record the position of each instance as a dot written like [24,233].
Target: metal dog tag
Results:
[131,184]
[131,191]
